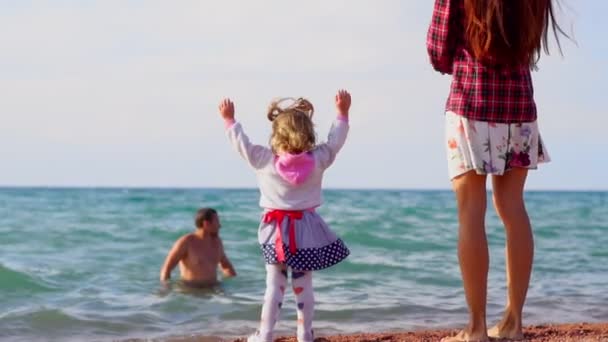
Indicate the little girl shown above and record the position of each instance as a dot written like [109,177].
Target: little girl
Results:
[291,233]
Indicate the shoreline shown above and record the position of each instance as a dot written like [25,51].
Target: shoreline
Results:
[563,332]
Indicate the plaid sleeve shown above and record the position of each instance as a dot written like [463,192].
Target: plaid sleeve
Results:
[441,37]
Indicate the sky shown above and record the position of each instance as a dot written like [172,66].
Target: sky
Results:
[124,93]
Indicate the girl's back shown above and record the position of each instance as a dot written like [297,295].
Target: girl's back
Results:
[290,181]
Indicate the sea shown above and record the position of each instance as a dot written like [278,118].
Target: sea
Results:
[82,264]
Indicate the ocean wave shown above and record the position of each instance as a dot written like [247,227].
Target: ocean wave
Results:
[15,282]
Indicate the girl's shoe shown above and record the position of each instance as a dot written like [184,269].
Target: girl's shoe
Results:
[255,338]
[305,339]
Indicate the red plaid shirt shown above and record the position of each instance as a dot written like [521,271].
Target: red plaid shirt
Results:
[478,92]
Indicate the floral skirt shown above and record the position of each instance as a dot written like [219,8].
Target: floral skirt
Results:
[491,148]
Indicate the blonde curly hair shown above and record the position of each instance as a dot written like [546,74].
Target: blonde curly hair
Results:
[292,127]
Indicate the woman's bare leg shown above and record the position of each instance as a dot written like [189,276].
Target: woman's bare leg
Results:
[509,204]
[470,190]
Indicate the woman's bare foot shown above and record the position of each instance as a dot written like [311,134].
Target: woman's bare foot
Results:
[465,336]
[509,327]
[499,332]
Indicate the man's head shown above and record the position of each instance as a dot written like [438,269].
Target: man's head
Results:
[207,219]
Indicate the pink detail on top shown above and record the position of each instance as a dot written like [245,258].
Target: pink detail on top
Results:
[342,117]
[295,168]
[229,123]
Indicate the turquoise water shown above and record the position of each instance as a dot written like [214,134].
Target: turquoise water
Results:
[83,264]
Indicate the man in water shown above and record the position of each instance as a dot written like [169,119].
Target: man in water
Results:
[199,253]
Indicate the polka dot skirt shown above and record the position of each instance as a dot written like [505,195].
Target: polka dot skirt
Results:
[309,259]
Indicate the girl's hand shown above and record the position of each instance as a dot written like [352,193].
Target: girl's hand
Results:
[343,102]
[227,109]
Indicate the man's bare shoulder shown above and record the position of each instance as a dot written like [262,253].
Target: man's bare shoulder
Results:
[184,239]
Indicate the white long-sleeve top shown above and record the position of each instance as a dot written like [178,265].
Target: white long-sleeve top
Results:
[290,182]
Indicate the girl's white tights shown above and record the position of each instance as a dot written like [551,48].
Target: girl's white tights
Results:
[276,283]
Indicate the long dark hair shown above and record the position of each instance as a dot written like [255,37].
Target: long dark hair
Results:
[510,32]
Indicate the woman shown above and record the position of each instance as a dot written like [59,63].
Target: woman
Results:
[489,48]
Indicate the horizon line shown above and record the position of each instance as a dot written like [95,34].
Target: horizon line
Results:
[199,187]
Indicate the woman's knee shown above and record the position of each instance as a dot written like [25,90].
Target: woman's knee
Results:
[508,206]
[508,193]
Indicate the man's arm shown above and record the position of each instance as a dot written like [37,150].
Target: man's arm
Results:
[177,253]
[226,266]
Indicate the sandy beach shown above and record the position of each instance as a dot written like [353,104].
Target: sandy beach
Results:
[580,332]
[536,333]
